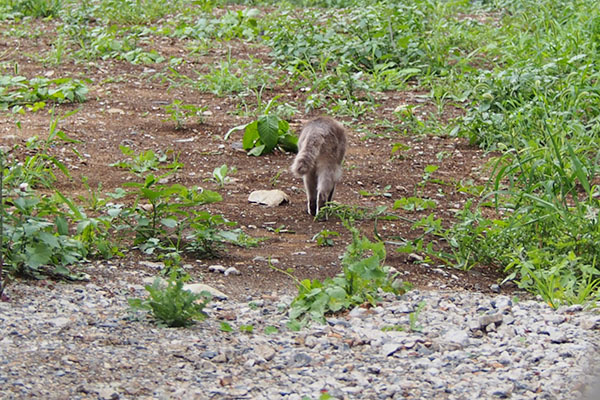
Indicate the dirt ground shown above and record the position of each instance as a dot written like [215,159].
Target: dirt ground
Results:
[125,106]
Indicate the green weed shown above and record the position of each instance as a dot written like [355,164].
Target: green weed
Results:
[265,134]
[351,213]
[171,305]
[414,204]
[145,161]
[16,92]
[220,174]
[325,237]
[364,274]
[179,113]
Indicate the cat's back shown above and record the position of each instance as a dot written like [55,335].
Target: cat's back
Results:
[330,133]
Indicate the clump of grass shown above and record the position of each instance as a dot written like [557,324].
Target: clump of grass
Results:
[170,304]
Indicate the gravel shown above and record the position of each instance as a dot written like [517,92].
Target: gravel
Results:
[79,341]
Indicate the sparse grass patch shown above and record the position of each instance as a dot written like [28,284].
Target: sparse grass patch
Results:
[233,76]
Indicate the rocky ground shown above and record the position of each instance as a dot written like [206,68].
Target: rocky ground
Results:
[80,341]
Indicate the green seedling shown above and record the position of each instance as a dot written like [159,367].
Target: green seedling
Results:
[179,113]
[414,204]
[376,193]
[220,175]
[146,161]
[325,237]
[170,304]
[413,317]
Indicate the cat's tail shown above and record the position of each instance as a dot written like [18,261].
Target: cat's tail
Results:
[307,156]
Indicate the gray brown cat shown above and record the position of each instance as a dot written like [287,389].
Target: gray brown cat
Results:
[321,149]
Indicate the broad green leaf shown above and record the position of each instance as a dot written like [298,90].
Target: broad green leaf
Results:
[268,131]
[150,194]
[250,135]
[169,222]
[49,239]
[208,196]
[39,254]
[257,151]
[289,142]
[62,226]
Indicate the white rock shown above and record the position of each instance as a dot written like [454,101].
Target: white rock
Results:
[270,198]
[216,268]
[231,271]
[198,288]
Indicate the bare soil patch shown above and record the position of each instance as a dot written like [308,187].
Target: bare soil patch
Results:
[125,106]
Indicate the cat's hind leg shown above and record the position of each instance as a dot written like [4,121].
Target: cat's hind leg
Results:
[310,185]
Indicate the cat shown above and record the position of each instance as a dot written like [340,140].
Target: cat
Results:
[321,149]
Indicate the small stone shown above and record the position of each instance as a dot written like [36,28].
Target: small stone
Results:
[414,257]
[456,337]
[223,356]
[358,312]
[495,288]
[502,302]
[60,322]
[557,336]
[591,322]
[216,268]
[232,271]
[153,265]
[198,288]
[265,352]
[209,354]
[390,348]
[299,360]
[503,391]
[486,320]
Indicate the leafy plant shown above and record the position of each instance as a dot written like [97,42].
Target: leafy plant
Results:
[364,274]
[271,330]
[352,213]
[414,204]
[18,91]
[36,237]
[377,192]
[413,317]
[265,134]
[145,161]
[171,305]
[220,174]
[167,218]
[429,169]
[108,42]
[325,237]
[233,76]
[225,327]
[179,113]
[36,8]
[40,166]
